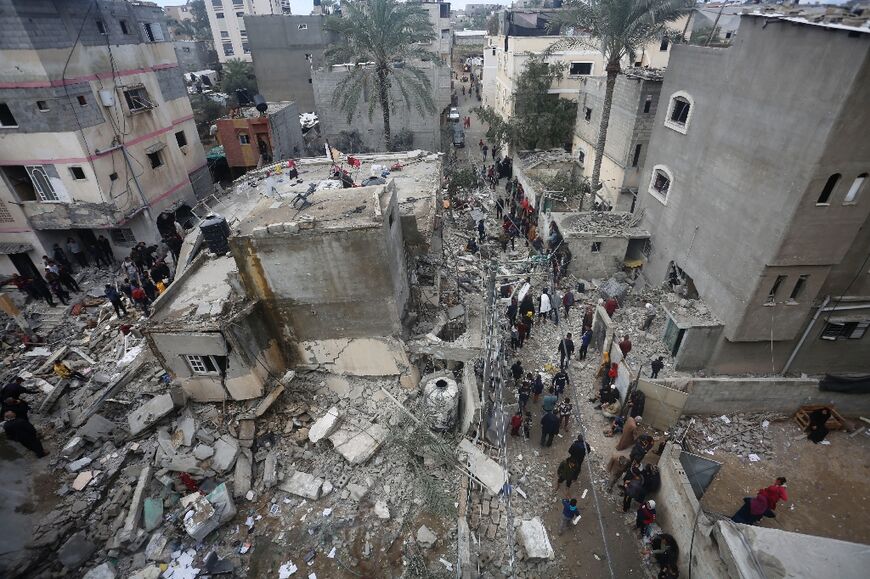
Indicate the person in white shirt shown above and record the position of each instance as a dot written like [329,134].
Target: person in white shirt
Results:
[546,308]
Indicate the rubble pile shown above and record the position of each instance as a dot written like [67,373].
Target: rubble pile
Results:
[745,435]
[604,223]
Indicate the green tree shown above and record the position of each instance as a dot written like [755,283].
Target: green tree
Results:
[205,112]
[541,120]
[619,28]
[202,29]
[238,74]
[381,39]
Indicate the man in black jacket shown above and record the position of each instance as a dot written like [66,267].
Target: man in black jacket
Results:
[20,430]
[549,428]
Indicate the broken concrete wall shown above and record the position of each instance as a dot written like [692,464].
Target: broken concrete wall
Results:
[469,401]
[596,256]
[697,346]
[329,283]
[664,405]
[602,330]
[776,394]
[359,357]
[251,337]
[677,513]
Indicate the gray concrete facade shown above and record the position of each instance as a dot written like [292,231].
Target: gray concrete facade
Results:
[286,133]
[194,55]
[745,202]
[284,53]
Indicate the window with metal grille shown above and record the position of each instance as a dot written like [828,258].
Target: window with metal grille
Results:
[123,235]
[580,69]
[845,330]
[41,183]
[206,365]
[5,216]
[137,99]
[680,112]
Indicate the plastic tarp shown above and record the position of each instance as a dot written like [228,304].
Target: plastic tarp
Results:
[854,384]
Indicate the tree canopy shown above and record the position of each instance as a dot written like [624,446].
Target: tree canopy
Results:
[540,120]
[238,74]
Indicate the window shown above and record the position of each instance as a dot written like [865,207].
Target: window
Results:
[153,32]
[42,106]
[852,194]
[83,101]
[660,183]
[6,118]
[647,103]
[123,235]
[587,114]
[31,182]
[580,68]
[596,247]
[843,330]
[77,173]
[308,56]
[217,3]
[728,35]
[238,2]
[206,365]
[246,48]
[240,14]
[155,158]
[798,288]
[41,183]
[185,49]
[665,43]
[101,28]
[303,27]
[581,156]
[137,99]
[636,159]
[244,140]
[124,29]
[771,295]
[828,189]
[228,48]
[679,112]
[219,15]
[225,34]
[181,138]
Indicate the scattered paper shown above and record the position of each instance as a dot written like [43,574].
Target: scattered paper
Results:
[331,554]
[245,548]
[274,509]
[286,570]
[597,558]
[519,457]
[825,442]
[765,424]
[312,576]
[327,512]
[250,495]
[446,563]
[249,522]
[521,492]
[583,496]
[576,519]
[725,419]
[754,458]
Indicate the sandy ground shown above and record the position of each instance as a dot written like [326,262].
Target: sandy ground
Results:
[828,485]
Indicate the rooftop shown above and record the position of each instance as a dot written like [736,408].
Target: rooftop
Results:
[600,223]
[251,112]
[862,25]
[200,295]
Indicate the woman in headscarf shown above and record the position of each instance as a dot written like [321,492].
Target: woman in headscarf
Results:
[817,429]
[752,510]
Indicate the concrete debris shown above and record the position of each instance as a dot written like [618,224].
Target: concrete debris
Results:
[426,538]
[381,509]
[303,484]
[152,513]
[75,551]
[272,396]
[200,519]
[533,537]
[226,449]
[97,428]
[136,503]
[79,464]
[149,572]
[82,480]
[325,426]
[486,470]
[103,571]
[270,470]
[152,411]
[358,445]
[203,451]
[242,479]
[73,448]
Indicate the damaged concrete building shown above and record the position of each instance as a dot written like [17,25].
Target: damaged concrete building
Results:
[252,137]
[773,232]
[96,130]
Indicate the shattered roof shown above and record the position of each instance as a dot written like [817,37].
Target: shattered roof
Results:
[201,294]
[599,223]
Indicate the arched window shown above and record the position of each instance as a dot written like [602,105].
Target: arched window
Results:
[679,112]
[660,183]
[828,189]
[852,194]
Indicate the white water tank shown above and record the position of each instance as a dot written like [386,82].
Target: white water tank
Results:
[441,402]
[107,98]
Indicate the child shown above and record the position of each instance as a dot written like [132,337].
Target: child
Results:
[537,387]
[527,425]
[516,423]
[569,511]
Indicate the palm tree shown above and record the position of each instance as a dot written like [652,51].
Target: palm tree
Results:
[380,40]
[619,28]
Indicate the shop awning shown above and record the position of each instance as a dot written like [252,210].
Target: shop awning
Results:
[13,247]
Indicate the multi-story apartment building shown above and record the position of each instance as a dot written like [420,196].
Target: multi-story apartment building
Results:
[96,130]
[439,16]
[227,21]
[755,190]
[633,109]
[523,34]
[179,12]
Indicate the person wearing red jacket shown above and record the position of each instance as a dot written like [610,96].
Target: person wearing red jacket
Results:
[646,516]
[516,423]
[775,492]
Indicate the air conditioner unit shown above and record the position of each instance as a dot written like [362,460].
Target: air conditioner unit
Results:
[107,98]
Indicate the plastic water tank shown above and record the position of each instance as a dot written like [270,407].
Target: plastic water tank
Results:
[261,103]
[216,232]
[441,402]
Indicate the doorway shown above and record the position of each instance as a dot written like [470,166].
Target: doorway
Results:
[24,265]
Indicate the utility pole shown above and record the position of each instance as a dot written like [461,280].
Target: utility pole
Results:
[713,30]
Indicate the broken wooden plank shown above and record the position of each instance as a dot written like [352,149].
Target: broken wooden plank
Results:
[52,398]
[58,355]
[83,356]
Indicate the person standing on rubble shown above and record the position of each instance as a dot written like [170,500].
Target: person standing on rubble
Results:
[560,380]
[73,247]
[610,306]
[657,366]
[56,288]
[549,428]
[584,344]
[546,307]
[565,410]
[566,350]
[66,278]
[481,230]
[115,298]
[649,316]
[568,302]
[630,432]
[15,389]
[140,298]
[22,431]
[567,472]
[517,371]
[550,400]
[569,513]
[522,332]
[524,392]
[625,346]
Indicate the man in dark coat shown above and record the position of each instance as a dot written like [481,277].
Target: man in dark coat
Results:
[549,428]
[21,431]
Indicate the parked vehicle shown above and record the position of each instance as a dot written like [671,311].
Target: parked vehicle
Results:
[458,136]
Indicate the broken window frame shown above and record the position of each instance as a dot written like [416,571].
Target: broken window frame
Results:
[587,114]
[774,289]
[596,247]
[687,110]
[137,99]
[205,364]
[660,190]
[581,64]
[44,189]
[122,235]
[844,330]
[155,159]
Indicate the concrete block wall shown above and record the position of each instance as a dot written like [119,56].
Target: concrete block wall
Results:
[171,83]
[601,264]
[776,394]
[63,108]
[664,405]
[286,133]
